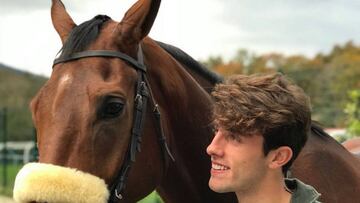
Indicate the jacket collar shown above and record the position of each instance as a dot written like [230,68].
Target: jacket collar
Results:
[301,192]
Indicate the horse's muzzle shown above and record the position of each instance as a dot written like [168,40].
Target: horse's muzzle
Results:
[37,182]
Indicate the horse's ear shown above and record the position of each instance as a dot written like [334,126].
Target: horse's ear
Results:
[138,20]
[61,19]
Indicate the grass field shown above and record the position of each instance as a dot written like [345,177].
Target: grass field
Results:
[152,198]
[12,169]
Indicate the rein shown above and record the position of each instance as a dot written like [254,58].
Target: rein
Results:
[143,91]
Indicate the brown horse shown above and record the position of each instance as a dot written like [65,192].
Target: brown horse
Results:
[89,117]
[84,114]
[329,167]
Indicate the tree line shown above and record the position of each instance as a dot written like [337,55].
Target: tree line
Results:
[327,78]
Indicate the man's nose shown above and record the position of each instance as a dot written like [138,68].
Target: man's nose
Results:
[216,146]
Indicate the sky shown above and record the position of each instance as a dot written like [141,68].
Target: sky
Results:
[202,28]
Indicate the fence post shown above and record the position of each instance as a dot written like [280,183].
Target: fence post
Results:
[4,127]
[36,151]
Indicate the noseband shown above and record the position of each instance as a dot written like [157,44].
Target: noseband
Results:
[143,91]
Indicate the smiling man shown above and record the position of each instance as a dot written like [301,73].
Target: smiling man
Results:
[262,123]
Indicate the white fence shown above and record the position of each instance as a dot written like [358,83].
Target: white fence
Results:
[18,151]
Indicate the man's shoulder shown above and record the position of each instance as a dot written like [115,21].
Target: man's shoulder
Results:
[301,192]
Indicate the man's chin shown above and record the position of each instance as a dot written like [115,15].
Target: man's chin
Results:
[219,187]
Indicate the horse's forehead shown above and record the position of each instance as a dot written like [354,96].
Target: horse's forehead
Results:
[92,75]
[107,35]
[66,79]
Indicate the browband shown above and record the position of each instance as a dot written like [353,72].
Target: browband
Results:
[101,53]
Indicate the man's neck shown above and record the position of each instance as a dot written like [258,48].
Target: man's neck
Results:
[271,190]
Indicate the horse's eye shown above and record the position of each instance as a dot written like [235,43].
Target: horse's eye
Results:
[112,107]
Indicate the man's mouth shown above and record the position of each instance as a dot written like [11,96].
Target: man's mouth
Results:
[219,167]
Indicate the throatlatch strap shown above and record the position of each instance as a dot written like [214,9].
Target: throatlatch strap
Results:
[162,138]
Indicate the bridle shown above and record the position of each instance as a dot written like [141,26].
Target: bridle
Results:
[143,92]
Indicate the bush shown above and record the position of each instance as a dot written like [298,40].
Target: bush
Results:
[353,113]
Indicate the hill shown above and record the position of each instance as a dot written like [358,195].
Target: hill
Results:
[16,91]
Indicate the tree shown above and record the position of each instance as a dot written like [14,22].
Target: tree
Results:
[230,68]
[213,61]
[353,112]
[326,78]
[245,59]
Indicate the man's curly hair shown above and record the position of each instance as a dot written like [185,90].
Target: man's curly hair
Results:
[269,105]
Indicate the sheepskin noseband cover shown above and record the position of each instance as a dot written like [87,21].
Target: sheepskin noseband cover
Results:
[55,184]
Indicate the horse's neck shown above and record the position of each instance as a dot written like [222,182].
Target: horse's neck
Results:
[186,105]
[186,110]
[329,167]
[207,79]
[177,91]
[201,80]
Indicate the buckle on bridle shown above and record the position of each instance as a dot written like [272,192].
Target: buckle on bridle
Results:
[118,195]
[138,102]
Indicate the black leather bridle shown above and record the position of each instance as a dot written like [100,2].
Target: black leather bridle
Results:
[143,91]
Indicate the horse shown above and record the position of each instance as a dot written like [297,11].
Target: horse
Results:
[133,115]
[91,113]
[328,166]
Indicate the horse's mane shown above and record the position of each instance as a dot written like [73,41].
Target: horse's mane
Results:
[316,129]
[191,63]
[82,35]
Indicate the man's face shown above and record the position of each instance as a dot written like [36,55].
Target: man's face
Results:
[237,164]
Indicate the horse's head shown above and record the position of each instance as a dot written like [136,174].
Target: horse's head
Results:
[84,114]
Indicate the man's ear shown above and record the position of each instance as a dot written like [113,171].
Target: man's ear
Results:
[279,157]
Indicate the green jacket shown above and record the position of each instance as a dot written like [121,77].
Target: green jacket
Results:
[301,193]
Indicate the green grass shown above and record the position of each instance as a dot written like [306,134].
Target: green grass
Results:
[11,170]
[151,198]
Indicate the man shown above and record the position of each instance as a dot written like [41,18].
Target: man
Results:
[262,123]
